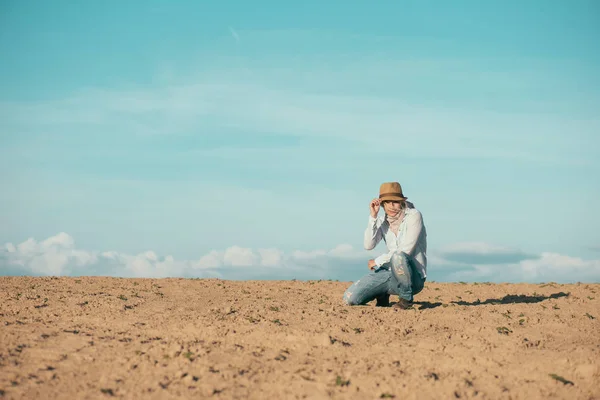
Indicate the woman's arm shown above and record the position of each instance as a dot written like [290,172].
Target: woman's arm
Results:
[373,234]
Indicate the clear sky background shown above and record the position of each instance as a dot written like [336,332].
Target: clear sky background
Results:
[245,140]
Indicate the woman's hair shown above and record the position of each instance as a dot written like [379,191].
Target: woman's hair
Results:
[402,203]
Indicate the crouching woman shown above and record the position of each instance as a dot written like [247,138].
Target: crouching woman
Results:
[402,270]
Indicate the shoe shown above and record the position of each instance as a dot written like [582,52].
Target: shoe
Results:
[403,304]
[383,301]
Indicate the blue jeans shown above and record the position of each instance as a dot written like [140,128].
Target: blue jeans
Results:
[398,277]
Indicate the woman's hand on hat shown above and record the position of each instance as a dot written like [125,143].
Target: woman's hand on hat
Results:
[374,207]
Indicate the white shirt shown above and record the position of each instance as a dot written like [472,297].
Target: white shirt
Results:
[411,239]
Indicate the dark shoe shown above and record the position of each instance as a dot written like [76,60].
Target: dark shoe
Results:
[403,304]
[383,301]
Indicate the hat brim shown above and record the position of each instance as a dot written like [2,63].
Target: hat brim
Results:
[396,197]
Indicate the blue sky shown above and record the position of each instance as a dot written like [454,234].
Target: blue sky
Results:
[152,138]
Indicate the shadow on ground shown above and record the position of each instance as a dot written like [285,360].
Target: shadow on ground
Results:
[508,299]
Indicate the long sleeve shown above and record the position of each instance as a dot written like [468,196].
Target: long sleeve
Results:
[414,227]
[372,234]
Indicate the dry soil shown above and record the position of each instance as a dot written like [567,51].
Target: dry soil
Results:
[97,337]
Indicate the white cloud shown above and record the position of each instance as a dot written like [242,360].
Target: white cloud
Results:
[210,260]
[50,256]
[482,253]
[270,257]
[558,265]
[476,248]
[480,261]
[58,255]
[239,257]
[546,267]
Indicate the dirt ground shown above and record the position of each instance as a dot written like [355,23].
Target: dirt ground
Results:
[96,337]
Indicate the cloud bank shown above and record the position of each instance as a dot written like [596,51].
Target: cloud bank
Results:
[484,253]
[58,256]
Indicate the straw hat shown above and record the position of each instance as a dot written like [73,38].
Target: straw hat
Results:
[391,191]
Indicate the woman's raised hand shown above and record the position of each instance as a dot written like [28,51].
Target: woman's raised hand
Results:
[374,207]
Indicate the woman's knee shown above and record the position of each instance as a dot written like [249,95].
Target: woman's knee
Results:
[400,267]
[399,258]
[350,297]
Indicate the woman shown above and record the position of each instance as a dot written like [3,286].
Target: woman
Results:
[402,270]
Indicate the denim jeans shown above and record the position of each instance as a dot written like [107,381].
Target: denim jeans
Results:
[397,277]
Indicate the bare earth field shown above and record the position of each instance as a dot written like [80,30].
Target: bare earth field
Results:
[95,337]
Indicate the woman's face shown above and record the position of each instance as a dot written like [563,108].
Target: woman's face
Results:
[392,207]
